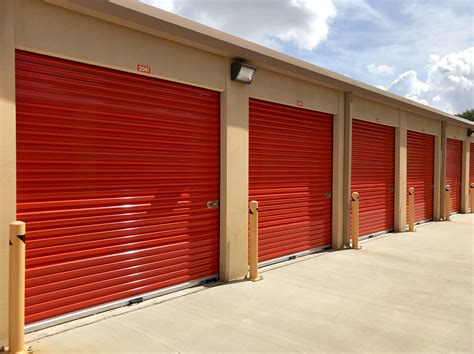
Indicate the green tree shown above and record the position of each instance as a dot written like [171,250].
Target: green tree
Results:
[469,114]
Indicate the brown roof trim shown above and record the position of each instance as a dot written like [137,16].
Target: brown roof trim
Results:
[146,18]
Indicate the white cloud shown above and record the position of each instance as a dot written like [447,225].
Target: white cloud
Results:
[382,69]
[449,85]
[167,5]
[360,10]
[273,23]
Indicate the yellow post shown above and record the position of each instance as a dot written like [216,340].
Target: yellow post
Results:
[447,202]
[253,259]
[355,221]
[411,209]
[472,197]
[16,343]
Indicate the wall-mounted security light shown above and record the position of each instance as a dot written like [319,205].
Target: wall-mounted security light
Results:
[470,132]
[242,72]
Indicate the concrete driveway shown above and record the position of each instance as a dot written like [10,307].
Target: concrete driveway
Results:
[410,292]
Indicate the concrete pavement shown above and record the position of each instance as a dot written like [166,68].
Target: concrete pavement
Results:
[408,292]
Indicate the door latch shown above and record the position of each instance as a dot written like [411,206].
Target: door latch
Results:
[328,195]
[212,204]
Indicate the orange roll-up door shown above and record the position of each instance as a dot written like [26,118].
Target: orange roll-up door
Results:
[290,175]
[454,172]
[471,164]
[420,173]
[373,175]
[114,173]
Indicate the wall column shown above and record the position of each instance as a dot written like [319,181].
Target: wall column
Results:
[7,150]
[465,175]
[401,174]
[234,180]
[437,179]
[338,176]
[348,114]
[443,168]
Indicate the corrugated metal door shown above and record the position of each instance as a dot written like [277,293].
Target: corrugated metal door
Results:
[420,173]
[114,174]
[454,172]
[373,175]
[290,175]
[471,164]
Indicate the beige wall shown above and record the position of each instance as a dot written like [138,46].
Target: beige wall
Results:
[454,132]
[338,176]
[7,151]
[437,200]
[375,112]
[278,88]
[424,125]
[234,181]
[400,173]
[52,30]
[465,176]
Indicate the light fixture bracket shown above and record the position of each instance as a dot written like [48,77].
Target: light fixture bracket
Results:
[242,72]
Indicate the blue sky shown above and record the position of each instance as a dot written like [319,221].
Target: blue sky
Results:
[423,50]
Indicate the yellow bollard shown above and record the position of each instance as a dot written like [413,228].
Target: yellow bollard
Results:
[355,221]
[447,202]
[253,259]
[16,343]
[411,209]
[472,197]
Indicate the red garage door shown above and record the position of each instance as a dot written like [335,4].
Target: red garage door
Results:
[114,174]
[471,174]
[420,173]
[373,175]
[454,172]
[291,177]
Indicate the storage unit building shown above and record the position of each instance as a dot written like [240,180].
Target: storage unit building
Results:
[131,153]
[420,172]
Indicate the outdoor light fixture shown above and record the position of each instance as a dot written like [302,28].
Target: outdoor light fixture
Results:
[470,132]
[242,72]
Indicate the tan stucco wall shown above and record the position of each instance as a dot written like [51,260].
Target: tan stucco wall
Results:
[278,88]
[338,176]
[234,181]
[437,179]
[424,125]
[7,152]
[400,173]
[454,132]
[465,176]
[48,29]
[375,112]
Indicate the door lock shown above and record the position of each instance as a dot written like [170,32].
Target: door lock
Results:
[212,204]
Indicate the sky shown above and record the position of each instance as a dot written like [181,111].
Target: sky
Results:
[419,49]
